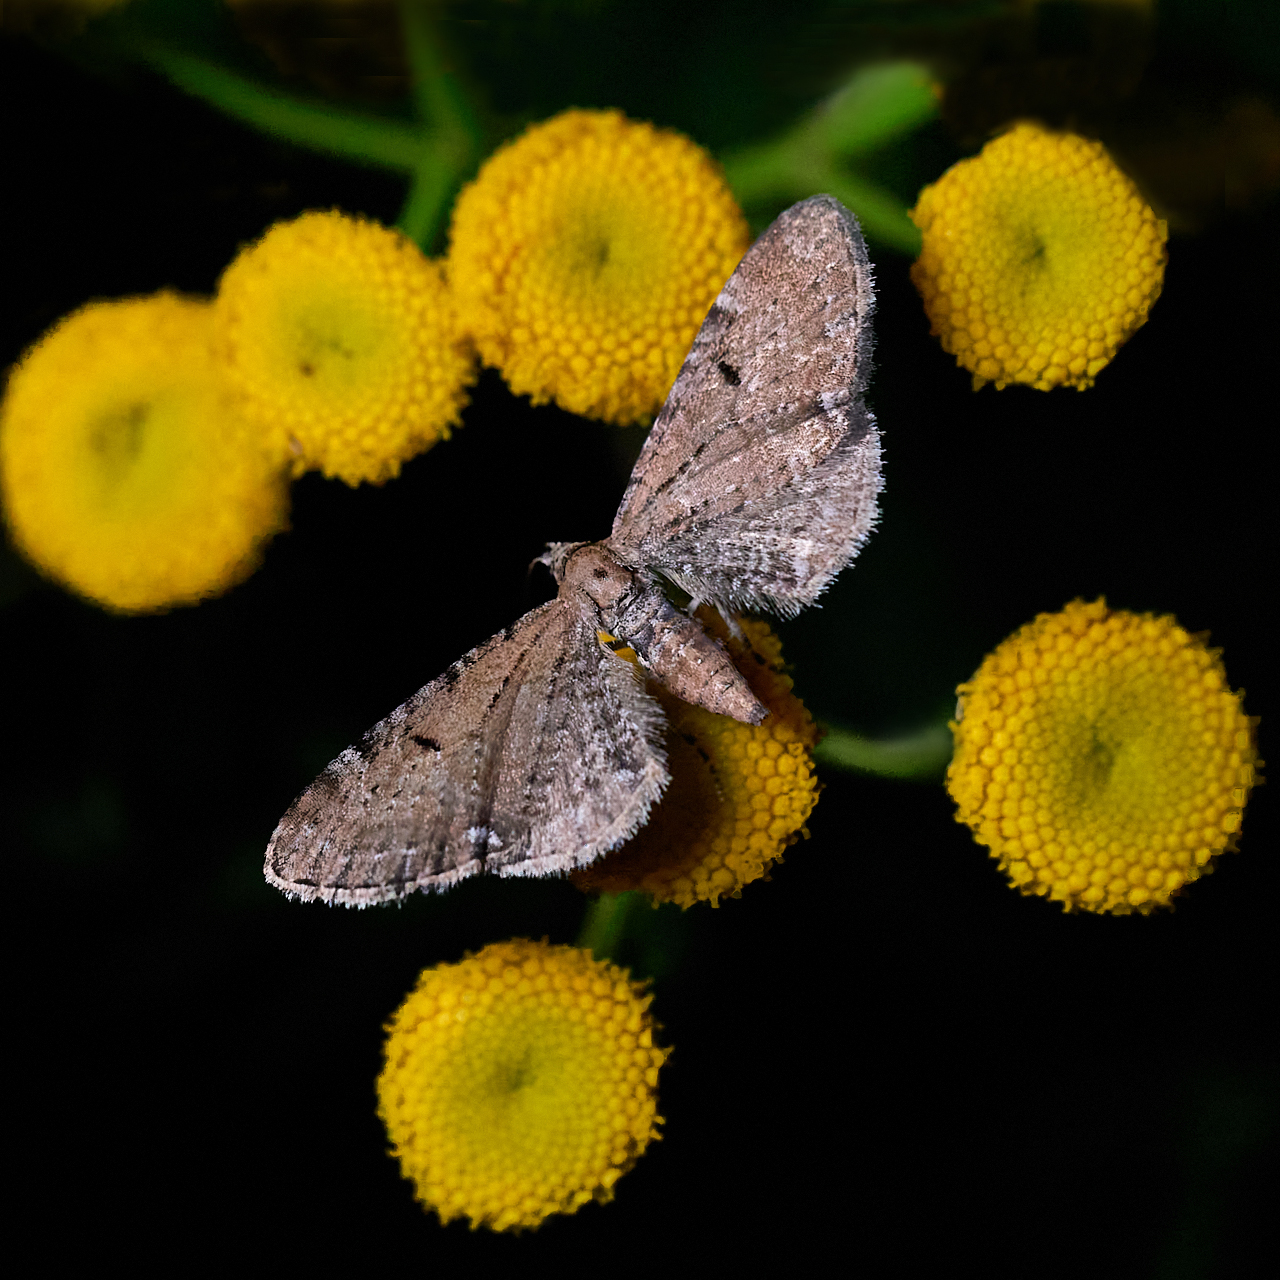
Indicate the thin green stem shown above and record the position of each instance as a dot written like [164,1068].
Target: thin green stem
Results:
[422,214]
[882,215]
[440,102]
[449,120]
[355,136]
[923,755]
[794,168]
[605,922]
[876,105]
[763,171]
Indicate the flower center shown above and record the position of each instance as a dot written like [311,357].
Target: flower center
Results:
[317,347]
[333,343]
[589,251]
[514,1074]
[595,254]
[1033,250]
[1096,767]
[117,439]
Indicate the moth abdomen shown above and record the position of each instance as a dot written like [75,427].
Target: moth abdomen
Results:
[684,659]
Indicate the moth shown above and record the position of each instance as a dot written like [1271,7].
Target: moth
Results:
[540,750]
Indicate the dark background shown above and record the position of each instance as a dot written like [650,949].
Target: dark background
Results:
[886,1060]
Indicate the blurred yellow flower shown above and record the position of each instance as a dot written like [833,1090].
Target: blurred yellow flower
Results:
[1039,260]
[520,1083]
[739,795]
[586,254]
[339,339]
[125,473]
[1102,758]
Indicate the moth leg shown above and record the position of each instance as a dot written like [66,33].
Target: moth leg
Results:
[730,621]
[730,618]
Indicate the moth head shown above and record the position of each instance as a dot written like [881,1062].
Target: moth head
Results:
[593,568]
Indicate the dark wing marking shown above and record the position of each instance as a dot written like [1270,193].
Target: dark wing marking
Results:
[758,482]
[533,754]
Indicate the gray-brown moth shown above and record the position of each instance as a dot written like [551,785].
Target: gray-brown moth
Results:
[540,750]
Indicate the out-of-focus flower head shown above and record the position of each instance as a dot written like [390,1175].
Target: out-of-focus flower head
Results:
[126,474]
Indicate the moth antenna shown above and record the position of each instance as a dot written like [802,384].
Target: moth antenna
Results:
[554,557]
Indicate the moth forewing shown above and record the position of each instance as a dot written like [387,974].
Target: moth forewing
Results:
[759,480]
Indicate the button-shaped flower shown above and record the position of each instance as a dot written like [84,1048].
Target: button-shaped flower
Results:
[125,473]
[586,254]
[1040,258]
[339,339]
[520,1082]
[1102,757]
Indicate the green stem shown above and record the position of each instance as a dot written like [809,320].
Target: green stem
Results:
[446,114]
[793,168]
[922,755]
[877,104]
[424,208]
[882,215]
[359,137]
[605,922]
[440,102]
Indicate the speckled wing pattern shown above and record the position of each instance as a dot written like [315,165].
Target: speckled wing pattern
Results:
[535,753]
[758,482]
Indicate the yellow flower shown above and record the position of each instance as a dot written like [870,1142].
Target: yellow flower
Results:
[339,338]
[520,1083]
[585,256]
[1103,758]
[125,474]
[739,795]
[1040,259]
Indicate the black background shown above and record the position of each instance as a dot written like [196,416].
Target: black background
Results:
[885,1060]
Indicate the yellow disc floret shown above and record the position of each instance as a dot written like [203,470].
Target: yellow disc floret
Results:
[739,794]
[585,256]
[1103,758]
[1039,259]
[520,1083]
[340,340]
[125,473]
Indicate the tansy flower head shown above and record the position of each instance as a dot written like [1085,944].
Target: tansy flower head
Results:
[520,1083]
[125,473]
[1103,758]
[1040,258]
[739,795]
[339,339]
[585,256]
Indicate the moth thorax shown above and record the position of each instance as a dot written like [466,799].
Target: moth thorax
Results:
[594,569]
